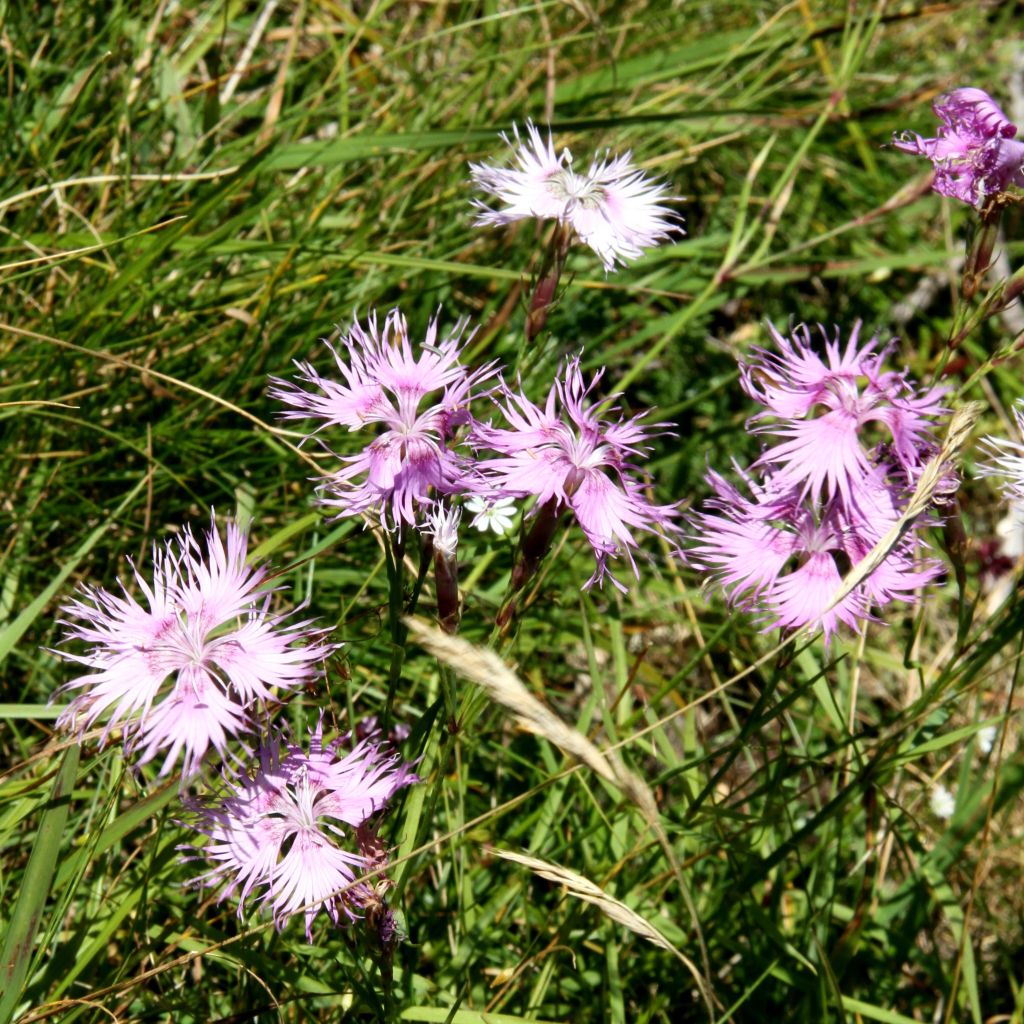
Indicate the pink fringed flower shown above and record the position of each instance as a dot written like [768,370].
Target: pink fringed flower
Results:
[613,208]
[569,456]
[385,385]
[295,832]
[975,153]
[854,438]
[784,556]
[832,413]
[182,670]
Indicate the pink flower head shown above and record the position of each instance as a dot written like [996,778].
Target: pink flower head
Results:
[975,153]
[826,411]
[384,384]
[181,670]
[613,208]
[568,454]
[783,555]
[291,832]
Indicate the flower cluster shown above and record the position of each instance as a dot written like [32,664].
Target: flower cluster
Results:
[612,208]
[851,441]
[974,153]
[183,670]
[296,832]
[567,455]
[413,458]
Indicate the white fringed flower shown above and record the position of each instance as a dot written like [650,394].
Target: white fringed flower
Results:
[613,208]
[1006,459]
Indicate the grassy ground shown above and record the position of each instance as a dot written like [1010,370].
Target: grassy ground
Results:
[192,194]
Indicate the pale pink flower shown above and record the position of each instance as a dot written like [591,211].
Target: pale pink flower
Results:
[612,208]
[783,555]
[182,670]
[974,153]
[828,412]
[569,454]
[417,403]
[292,832]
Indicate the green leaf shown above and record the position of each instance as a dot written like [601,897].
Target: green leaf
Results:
[35,887]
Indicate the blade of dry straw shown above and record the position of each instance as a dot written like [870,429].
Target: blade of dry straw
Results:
[489,672]
[960,427]
[584,889]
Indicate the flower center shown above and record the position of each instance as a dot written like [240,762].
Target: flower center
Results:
[572,189]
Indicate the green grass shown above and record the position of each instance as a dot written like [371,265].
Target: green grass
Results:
[165,247]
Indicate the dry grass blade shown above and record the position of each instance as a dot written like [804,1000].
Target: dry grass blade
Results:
[489,672]
[931,477]
[584,889]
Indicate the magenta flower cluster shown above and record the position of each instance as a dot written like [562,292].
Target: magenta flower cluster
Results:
[571,454]
[568,454]
[849,441]
[975,152]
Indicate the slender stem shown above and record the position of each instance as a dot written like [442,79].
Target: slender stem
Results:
[394,551]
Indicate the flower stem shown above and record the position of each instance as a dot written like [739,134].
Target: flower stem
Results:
[394,555]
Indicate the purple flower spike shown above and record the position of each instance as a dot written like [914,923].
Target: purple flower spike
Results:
[384,384]
[613,208]
[292,831]
[206,629]
[568,456]
[824,411]
[975,153]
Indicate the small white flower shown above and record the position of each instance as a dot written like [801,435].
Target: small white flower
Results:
[1006,459]
[613,208]
[987,738]
[496,516]
[443,525]
[943,803]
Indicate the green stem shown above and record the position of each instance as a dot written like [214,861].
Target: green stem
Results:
[394,551]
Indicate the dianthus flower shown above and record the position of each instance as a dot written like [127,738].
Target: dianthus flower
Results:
[826,410]
[182,670]
[411,460]
[824,496]
[613,208]
[295,831]
[1006,459]
[975,153]
[568,456]
[783,555]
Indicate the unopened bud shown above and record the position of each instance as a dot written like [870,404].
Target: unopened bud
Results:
[536,543]
[980,249]
[540,303]
[443,526]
